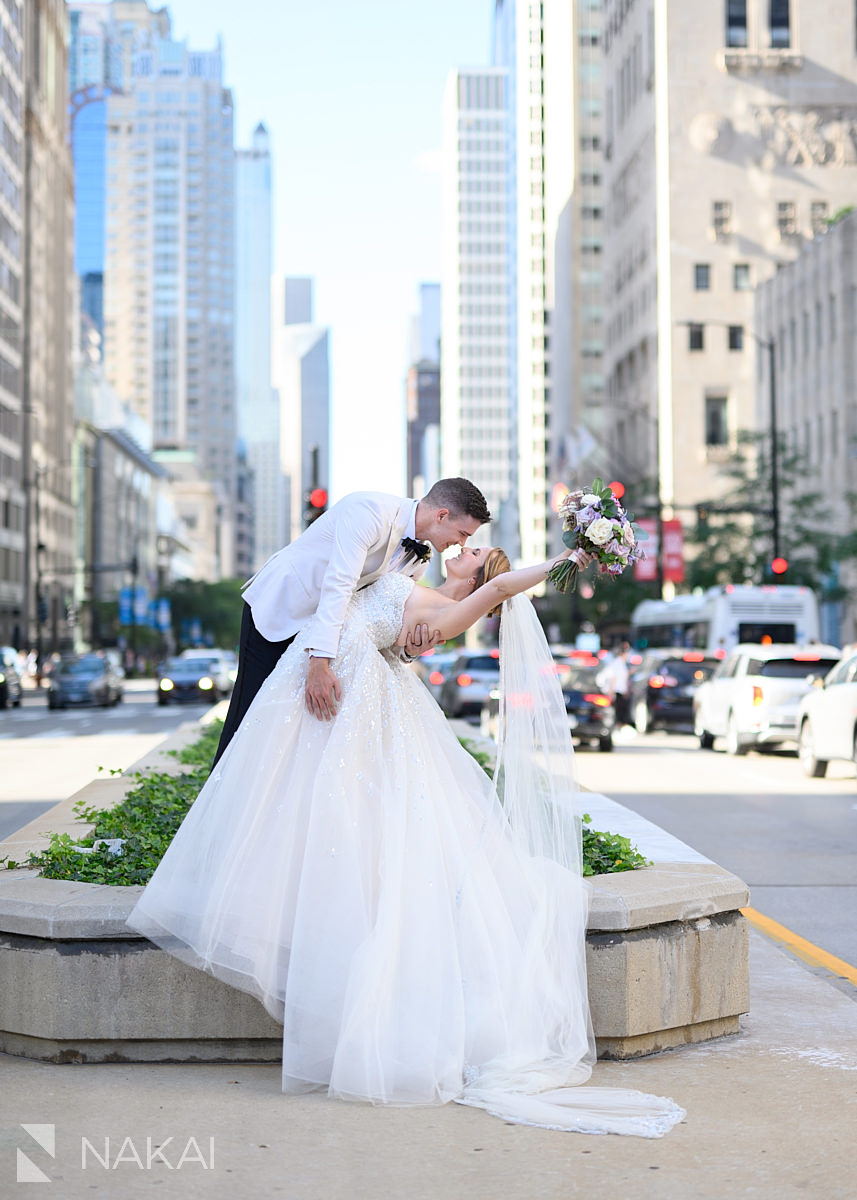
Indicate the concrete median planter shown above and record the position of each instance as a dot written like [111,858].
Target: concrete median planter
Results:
[667,953]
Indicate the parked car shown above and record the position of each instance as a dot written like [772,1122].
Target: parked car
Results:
[11,690]
[662,687]
[433,668]
[473,676]
[591,714]
[188,680]
[84,679]
[752,698]
[222,667]
[827,719]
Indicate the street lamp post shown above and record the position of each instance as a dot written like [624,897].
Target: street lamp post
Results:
[770,346]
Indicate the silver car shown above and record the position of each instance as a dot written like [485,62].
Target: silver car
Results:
[471,680]
[752,698]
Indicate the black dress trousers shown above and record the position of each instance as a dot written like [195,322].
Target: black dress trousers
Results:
[257,658]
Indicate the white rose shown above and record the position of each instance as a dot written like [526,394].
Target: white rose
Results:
[628,535]
[589,499]
[600,531]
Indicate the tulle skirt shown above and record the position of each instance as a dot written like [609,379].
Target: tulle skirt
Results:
[358,877]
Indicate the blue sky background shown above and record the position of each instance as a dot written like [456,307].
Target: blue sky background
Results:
[352,96]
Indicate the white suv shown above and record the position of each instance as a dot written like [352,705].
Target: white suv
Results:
[827,720]
[752,698]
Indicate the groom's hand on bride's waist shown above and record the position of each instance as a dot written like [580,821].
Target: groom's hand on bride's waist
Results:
[323,690]
[418,641]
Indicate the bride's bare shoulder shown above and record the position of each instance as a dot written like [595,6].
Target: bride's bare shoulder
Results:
[421,605]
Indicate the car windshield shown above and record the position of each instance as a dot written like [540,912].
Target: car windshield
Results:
[482,662]
[82,666]
[578,679]
[189,666]
[684,672]
[791,668]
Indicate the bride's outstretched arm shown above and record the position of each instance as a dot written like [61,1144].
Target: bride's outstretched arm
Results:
[455,618]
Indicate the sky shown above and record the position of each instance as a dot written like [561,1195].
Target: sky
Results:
[351,93]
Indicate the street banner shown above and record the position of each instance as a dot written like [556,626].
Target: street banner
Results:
[646,571]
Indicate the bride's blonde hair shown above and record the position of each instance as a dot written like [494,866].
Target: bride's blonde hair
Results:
[495,564]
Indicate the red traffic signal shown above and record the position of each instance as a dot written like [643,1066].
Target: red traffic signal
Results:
[318,497]
[779,566]
[618,489]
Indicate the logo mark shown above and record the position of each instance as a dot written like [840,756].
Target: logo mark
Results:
[45,1137]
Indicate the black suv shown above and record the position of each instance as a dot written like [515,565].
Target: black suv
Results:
[662,687]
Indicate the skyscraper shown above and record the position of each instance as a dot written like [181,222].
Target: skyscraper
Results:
[300,364]
[12,479]
[46,292]
[478,436]
[169,230]
[102,40]
[422,389]
[730,139]
[534,42]
[257,403]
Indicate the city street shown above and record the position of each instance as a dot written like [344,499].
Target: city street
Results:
[47,756]
[793,840]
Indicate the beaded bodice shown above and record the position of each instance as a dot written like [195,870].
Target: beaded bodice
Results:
[378,608]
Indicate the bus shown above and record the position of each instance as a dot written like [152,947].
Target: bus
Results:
[720,618]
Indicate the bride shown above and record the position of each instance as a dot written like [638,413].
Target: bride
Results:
[418,929]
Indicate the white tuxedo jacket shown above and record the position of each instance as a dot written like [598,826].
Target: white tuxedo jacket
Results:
[310,581]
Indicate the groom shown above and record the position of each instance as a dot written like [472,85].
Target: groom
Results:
[311,581]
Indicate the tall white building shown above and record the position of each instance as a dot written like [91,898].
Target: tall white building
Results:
[300,368]
[169,247]
[533,40]
[730,137]
[477,417]
[257,404]
[808,310]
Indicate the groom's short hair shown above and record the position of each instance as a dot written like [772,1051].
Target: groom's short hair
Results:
[461,497]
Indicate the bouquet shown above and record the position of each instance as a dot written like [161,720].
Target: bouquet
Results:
[595,524]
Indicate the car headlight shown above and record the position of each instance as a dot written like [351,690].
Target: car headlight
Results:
[2,677]
[166,685]
[206,684]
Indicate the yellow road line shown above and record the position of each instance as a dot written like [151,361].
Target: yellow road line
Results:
[800,946]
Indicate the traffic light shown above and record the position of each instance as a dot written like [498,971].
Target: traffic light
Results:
[315,503]
[779,566]
[703,512]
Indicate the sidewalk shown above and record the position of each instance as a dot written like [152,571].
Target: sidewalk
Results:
[771,1114]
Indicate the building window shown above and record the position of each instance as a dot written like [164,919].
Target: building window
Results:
[736,23]
[721,218]
[741,277]
[696,337]
[780,25]
[702,277]
[786,218]
[736,337]
[818,217]
[716,421]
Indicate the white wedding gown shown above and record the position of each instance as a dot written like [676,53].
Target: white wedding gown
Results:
[360,878]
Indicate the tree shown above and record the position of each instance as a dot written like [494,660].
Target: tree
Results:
[733,533]
[216,606]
